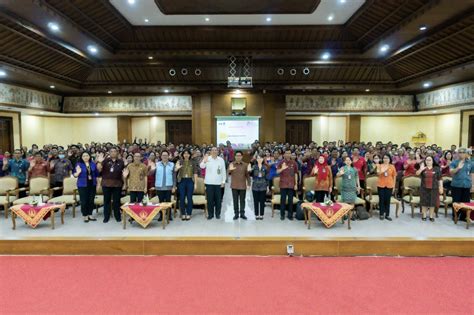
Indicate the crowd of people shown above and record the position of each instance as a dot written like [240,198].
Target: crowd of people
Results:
[141,168]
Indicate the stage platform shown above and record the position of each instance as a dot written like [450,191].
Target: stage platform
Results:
[404,236]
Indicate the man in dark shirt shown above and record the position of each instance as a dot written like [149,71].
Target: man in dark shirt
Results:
[240,180]
[288,171]
[111,169]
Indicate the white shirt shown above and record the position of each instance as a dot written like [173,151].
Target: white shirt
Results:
[215,171]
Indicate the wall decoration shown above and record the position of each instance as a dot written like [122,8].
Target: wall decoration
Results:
[456,95]
[345,103]
[87,104]
[19,96]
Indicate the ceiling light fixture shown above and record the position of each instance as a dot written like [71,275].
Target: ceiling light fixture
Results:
[423,28]
[166,91]
[3,73]
[326,56]
[150,57]
[426,84]
[384,48]
[97,114]
[109,92]
[269,19]
[52,87]
[131,1]
[367,90]
[92,49]
[342,1]
[53,26]
[147,20]
[331,17]
[207,19]
[237,92]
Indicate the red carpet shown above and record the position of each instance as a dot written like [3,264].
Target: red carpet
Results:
[196,285]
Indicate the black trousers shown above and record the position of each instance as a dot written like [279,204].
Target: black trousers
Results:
[57,193]
[319,195]
[238,196]
[385,194]
[214,200]
[112,195]
[86,196]
[22,194]
[164,196]
[286,194]
[259,202]
[136,196]
[461,195]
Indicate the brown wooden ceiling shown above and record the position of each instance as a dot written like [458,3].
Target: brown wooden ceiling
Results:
[437,53]
[237,7]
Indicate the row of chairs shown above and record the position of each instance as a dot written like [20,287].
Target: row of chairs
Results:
[10,191]
[369,196]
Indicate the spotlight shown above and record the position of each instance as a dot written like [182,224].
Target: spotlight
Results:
[184,71]
[166,91]
[172,72]
[306,71]
[281,71]
[53,26]
[384,48]
[268,19]
[207,19]
[423,28]
[131,1]
[331,17]
[197,72]
[52,87]
[293,71]
[109,92]
[3,73]
[147,20]
[97,114]
[326,56]
[367,90]
[150,57]
[342,1]
[92,49]
[426,84]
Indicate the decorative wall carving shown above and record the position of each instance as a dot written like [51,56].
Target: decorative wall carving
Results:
[19,96]
[346,103]
[460,94]
[172,103]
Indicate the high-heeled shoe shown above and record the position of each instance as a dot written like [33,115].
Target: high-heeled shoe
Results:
[432,219]
[423,219]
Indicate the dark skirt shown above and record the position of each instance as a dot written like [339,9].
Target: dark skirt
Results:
[429,197]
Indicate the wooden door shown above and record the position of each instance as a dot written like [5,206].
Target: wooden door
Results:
[6,134]
[470,137]
[179,131]
[298,131]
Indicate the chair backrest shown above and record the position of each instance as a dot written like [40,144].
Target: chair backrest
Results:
[413,182]
[7,183]
[38,185]
[308,184]
[200,187]
[338,184]
[98,189]
[446,178]
[276,185]
[371,182]
[69,185]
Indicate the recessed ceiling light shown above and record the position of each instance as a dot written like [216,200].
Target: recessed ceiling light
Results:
[435,111]
[53,26]
[150,57]
[147,20]
[97,114]
[131,1]
[269,19]
[342,1]
[326,56]
[331,17]
[2,73]
[52,87]
[109,92]
[426,84]
[423,28]
[167,91]
[92,49]
[207,19]
[384,48]
[367,90]
[237,91]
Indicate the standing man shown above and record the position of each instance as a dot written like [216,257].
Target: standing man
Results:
[360,164]
[17,167]
[111,169]
[240,180]
[165,179]
[38,166]
[215,180]
[136,172]
[461,170]
[60,168]
[288,171]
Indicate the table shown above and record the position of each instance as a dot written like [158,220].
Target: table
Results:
[143,215]
[329,215]
[468,207]
[33,214]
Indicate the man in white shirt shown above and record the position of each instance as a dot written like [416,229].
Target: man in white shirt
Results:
[215,179]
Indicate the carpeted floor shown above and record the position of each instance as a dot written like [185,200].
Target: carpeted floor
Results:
[197,285]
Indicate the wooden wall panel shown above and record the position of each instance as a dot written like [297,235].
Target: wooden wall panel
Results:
[353,128]
[124,128]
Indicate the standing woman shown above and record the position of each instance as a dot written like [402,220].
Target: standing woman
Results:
[445,161]
[258,173]
[187,172]
[86,173]
[350,187]
[385,184]
[323,182]
[431,187]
